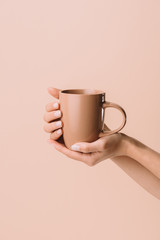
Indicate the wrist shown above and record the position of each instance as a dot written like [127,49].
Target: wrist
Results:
[126,144]
[130,146]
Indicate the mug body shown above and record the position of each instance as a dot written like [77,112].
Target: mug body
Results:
[82,115]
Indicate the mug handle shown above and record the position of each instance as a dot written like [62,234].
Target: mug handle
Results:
[114,105]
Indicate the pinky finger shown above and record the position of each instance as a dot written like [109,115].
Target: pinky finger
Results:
[56,134]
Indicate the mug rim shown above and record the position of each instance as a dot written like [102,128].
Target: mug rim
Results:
[91,91]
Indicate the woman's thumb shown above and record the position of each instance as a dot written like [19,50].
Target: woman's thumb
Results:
[54,92]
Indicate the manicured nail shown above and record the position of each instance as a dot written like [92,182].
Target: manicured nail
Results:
[58,124]
[55,105]
[75,147]
[59,131]
[57,113]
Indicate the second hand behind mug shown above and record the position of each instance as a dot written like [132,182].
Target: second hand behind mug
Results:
[83,112]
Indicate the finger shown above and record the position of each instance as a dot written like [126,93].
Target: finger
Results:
[85,158]
[106,127]
[50,127]
[50,116]
[87,147]
[52,106]
[54,92]
[56,134]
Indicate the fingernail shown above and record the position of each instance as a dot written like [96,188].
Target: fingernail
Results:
[75,147]
[55,105]
[58,124]
[57,113]
[59,131]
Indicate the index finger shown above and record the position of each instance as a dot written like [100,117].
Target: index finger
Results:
[52,106]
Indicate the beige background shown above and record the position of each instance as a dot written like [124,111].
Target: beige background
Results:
[109,45]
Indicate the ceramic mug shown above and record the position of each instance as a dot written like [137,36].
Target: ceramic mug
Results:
[83,112]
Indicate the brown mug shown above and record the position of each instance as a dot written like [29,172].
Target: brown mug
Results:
[83,112]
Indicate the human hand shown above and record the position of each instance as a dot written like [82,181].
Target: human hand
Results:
[88,153]
[53,123]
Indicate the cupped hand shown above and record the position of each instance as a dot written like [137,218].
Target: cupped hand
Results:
[88,153]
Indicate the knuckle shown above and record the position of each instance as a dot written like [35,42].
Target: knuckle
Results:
[46,128]
[90,164]
[53,126]
[52,136]
[46,107]
[44,116]
[47,117]
[85,148]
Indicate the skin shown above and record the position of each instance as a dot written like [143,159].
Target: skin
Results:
[140,162]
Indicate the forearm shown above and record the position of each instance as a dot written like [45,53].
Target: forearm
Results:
[144,155]
[139,174]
